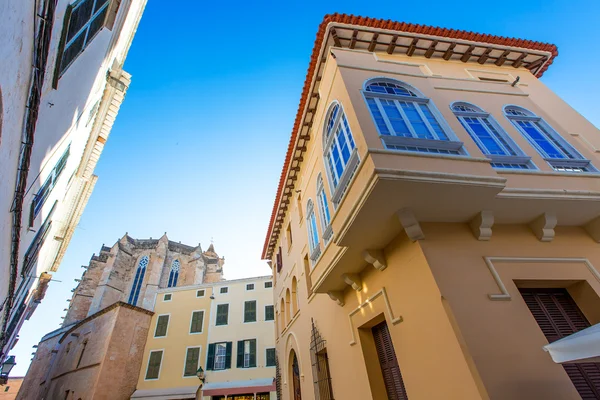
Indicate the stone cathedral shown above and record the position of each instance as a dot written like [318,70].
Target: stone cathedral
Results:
[97,351]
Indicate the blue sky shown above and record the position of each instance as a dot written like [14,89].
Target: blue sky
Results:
[198,146]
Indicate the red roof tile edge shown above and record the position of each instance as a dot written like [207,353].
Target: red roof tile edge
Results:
[389,25]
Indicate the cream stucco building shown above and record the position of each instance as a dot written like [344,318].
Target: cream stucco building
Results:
[436,221]
[226,328]
[62,84]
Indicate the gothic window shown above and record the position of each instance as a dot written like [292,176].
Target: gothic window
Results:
[552,147]
[340,155]
[137,282]
[407,120]
[491,139]
[173,274]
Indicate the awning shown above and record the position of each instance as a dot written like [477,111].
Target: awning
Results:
[583,346]
[182,392]
[238,387]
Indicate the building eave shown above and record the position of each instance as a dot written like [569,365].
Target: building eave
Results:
[378,35]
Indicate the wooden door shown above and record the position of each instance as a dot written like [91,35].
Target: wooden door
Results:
[389,363]
[296,378]
[558,316]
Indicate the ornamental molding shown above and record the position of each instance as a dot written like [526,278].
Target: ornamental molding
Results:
[382,294]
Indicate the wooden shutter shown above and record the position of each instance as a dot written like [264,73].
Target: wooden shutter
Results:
[240,354]
[191,361]
[279,260]
[222,314]
[253,353]
[250,311]
[197,321]
[154,365]
[228,355]
[161,326]
[210,358]
[270,357]
[269,313]
[390,369]
[558,316]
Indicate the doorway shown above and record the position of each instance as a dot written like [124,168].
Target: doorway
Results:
[394,385]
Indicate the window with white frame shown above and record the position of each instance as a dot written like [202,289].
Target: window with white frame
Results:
[174,273]
[43,193]
[323,210]
[552,147]
[220,355]
[489,136]
[340,154]
[313,233]
[137,281]
[407,120]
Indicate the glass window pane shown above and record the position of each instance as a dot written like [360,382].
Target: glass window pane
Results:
[491,146]
[79,17]
[395,118]
[379,121]
[548,148]
[499,137]
[414,118]
[97,24]
[433,122]
[100,4]
[72,51]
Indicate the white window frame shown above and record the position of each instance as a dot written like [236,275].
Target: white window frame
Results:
[442,145]
[162,357]
[329,140]
[500,137]
[224,356]
[192,320]
[244,311]
[199,347]
[267,358]
[325,217]
[203,292]
[573,161]
[156,326]
[226,290]
[167,294]
[253,287]
[313,231]
[247,354]
[269,305]
[217,314]
[270,287]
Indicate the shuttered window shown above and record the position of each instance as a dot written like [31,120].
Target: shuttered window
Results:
[558,316]
[270,358]
[161,326]
[154,364]
[269,313]
[389,363]
[246,353]
[219,356]
[191,361]
[222,314]
[197,321]
[250,311]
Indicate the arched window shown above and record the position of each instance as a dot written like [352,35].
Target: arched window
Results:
[313,233]
[137,281]
[295,305]
[407,120]
[173,274]
[551,146]
[339,151]
[282,314]
[323,210]
[288,313]
[491,139]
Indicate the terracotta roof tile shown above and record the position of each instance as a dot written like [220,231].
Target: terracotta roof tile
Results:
[389,25]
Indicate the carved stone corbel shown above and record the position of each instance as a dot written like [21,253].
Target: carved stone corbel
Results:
[481,225]
[353,280]
[376,258]
[410,224]
[543,226]
[593,229]
[338,297]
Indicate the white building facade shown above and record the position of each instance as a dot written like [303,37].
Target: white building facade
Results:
[59,97]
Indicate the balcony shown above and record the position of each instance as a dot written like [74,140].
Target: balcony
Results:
[395,191]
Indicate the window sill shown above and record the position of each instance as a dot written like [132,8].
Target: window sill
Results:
[327,234]
[316,253]
[440,145]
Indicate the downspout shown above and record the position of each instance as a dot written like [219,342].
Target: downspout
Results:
[40,59]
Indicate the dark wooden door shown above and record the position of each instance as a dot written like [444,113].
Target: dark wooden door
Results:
[296,378]
[389,363]
[558,316]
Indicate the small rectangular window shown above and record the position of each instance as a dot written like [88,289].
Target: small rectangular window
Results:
[222,314]
[154,361]
[200,293]
[221,356]
[250,286]
[162,323]
[268,285]
[197,322]
[246,353]
[250,311]
[288,234]
[192,358]
[270,357]
[269,313]
[224,290]
[167,297]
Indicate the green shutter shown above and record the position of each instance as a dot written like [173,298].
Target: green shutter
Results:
[228,356]
[240,354]
[270,357]
[191,361]
[222,314]
[197,321]
[210,358]
[161,326]
[61,46]
[253,353]
[250,311]
[154,365]
[269,313]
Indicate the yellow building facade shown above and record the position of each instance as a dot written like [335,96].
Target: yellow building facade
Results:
[436,222]
[224,328]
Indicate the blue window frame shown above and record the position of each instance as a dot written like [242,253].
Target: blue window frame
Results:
[323,209]
[44,191]
[491,139]
[340,153]
[137,282]
[407,120]
[552,147]
[174,273]
[313,233]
